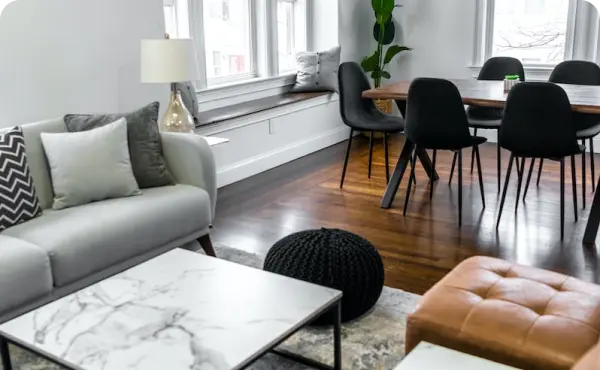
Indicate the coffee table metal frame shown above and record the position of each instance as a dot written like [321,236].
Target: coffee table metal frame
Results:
[335,307]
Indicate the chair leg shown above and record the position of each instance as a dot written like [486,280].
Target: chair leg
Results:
[413,159]
[517,163]
[574,181]
[531,166]
[562,199]
[346,160]
[452,169]
[521,170]
[540,172]
[370,152]
[387,158]
[480,175]
[460,185]
[592,165]
[583,178]
[506,181]
[207,245]
[433,160]
[499,163]
[473,153]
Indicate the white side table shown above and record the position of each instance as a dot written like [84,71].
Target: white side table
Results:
[428,356]
[214,141]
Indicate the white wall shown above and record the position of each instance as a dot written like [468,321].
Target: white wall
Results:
[64,56]
[440,32]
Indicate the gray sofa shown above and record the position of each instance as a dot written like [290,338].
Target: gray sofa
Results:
[63,251]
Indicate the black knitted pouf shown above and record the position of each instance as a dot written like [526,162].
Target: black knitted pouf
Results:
[333,258]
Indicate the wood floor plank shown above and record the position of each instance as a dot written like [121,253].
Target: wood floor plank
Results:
[420,249]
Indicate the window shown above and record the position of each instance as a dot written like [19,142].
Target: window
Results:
[176,18]
[540,33]
[227,33]
[534,31]
[239,40]
[285,34]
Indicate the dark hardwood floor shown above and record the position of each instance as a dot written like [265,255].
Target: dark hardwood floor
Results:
[420,249]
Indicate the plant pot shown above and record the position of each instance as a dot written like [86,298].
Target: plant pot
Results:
[384,105]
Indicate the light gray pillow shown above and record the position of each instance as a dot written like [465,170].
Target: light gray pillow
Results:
[91,165]
[145,146]
[317,71]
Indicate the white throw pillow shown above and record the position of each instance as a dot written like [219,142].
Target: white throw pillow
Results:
[91,165]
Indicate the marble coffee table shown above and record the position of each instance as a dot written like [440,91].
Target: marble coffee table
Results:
[181,310]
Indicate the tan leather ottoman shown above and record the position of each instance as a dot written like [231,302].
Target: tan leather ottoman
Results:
[516,315]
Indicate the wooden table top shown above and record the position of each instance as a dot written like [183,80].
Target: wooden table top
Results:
[584,99]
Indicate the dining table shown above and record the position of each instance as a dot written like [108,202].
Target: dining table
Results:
[480,93]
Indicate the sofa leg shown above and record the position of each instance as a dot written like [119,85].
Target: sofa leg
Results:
[207,245]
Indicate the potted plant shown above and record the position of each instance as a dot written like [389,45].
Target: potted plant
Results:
[384,33]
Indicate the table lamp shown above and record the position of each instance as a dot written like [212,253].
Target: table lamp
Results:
[170,61]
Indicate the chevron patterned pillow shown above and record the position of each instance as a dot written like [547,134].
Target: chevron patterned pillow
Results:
[18,199]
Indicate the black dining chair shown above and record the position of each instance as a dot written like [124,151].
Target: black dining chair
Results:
[362,115]
[436,119]
[482,118]
[538,123]
[587,126]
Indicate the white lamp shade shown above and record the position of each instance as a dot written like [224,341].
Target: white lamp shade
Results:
[168,61]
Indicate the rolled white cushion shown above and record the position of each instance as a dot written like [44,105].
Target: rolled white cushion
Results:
[90,165]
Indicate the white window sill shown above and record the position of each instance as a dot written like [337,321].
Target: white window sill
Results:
[532,73]
[239,88]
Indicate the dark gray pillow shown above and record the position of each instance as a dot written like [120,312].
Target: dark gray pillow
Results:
[317,71]
[145,148]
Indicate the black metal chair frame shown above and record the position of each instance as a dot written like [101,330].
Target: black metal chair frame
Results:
[436,120]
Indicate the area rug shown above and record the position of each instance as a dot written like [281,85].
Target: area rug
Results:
[373,342]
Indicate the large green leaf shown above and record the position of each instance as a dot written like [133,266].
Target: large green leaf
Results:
[383,7]
[380,74]
[382,18]
[370,64]
[389,32]
[392,51]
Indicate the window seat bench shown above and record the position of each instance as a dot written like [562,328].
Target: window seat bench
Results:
[267,132]
[218,115]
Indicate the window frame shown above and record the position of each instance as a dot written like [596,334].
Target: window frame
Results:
[578,44]
[264,51]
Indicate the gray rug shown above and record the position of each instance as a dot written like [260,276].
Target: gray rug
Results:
[373,342]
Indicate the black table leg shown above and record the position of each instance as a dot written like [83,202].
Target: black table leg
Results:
[337,336]
[591,230]
[394,184]
[6,363]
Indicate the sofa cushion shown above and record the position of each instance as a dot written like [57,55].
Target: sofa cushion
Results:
[24,273]
[90,238]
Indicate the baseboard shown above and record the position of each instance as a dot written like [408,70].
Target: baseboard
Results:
[267,161]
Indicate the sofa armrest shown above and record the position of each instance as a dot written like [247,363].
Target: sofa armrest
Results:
[191,162]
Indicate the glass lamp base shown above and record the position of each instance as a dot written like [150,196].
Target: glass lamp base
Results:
[177,118]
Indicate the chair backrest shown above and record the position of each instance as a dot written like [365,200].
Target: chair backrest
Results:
[435,115]
[495,69]
[576,72]
[538,122]
[352,83]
